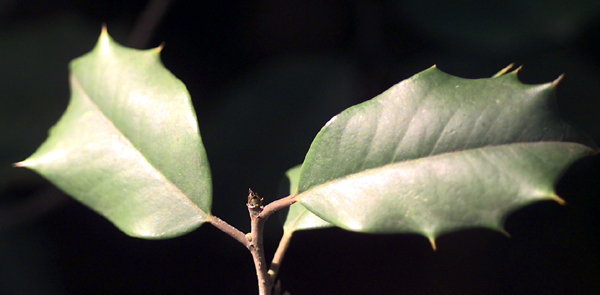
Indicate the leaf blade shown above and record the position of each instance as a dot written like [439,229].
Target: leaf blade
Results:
[433,113]
[128,145]
[129,81]
[298,217]
[407,196]
[430,115]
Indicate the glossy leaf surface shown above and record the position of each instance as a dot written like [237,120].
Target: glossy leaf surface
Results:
[428,153]
[128,145]
[446,192]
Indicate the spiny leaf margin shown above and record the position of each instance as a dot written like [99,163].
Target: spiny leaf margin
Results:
[128,145]
[436,195]
[430,114]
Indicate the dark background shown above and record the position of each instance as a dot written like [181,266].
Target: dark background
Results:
[264,77]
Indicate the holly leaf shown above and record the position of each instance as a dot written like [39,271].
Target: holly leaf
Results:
[298,217]
[437,153]
[128,145]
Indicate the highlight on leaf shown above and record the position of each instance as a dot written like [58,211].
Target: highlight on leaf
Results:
[128,145]
[437,153]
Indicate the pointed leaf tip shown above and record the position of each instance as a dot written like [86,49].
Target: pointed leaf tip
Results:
[25,163]
[437,153]
[504,232]
[103,30]
[20,164]
[128,145]
[104,41]
[517,70]
[558,199]
[503,71]
[432,242]
[557,80]
[160,47]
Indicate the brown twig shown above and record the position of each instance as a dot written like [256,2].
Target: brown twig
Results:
[230,230]
[284,244]
[254,240]
[258,216]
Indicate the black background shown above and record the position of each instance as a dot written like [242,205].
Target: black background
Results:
[264,77]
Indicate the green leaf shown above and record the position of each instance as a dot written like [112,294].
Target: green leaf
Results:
[128,145]
[445,192]
[436,153]
[298,217]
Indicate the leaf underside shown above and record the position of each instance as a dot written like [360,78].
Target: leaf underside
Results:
[437,153]
[298,217]
[128,145]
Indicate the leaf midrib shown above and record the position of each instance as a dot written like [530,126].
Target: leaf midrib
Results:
[436,156]
[179,193]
